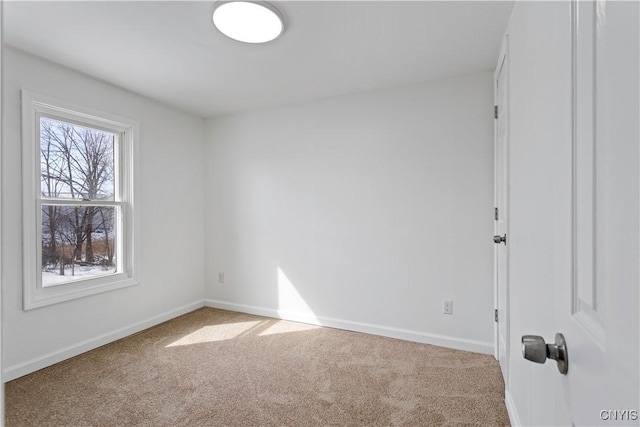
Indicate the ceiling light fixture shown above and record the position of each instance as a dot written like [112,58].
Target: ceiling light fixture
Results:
[248,21]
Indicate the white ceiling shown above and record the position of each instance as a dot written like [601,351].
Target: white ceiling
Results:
[171,52]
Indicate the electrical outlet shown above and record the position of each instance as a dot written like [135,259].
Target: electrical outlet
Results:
[447,306]
[220,277]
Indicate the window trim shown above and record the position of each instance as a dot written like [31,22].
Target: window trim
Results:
[36,105]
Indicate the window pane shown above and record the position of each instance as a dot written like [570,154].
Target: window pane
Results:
[76,162]
[78,242]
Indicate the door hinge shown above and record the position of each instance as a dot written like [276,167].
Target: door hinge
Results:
[495,315]
[495,214]
[495,111]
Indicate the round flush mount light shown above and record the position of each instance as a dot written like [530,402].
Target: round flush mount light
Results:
[248,21]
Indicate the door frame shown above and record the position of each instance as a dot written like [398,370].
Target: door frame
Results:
[503,60]
[2,420]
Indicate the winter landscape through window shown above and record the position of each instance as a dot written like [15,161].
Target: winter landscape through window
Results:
[77,165]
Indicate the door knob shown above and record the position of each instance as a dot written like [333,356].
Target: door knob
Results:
[536,350]
[500,239]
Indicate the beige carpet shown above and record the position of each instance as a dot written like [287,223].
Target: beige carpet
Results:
[214,368]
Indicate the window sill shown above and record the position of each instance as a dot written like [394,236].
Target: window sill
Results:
[42,297]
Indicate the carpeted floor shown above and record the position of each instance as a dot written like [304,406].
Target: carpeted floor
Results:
[218,368]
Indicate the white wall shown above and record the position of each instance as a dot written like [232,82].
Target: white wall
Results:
[172,211]
[361,212]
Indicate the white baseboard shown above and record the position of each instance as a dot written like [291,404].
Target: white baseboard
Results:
[511,409]
[24,368]
[405,334]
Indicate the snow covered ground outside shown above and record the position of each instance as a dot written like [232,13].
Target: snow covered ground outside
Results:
[52,278]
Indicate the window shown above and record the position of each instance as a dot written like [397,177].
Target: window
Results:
[78,185]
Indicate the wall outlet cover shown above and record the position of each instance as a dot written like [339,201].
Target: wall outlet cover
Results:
[447,306]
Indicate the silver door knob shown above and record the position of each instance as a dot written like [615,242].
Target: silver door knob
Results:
[536,350]
[500,239]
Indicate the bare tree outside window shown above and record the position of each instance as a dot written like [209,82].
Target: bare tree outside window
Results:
[77,173]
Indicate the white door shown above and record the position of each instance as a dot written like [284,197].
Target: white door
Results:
[593,294]
[501,254]
[600,319]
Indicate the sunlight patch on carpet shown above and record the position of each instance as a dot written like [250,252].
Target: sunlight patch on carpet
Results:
[282,327]
[215,333]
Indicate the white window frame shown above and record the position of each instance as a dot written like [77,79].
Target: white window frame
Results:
[126,154]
